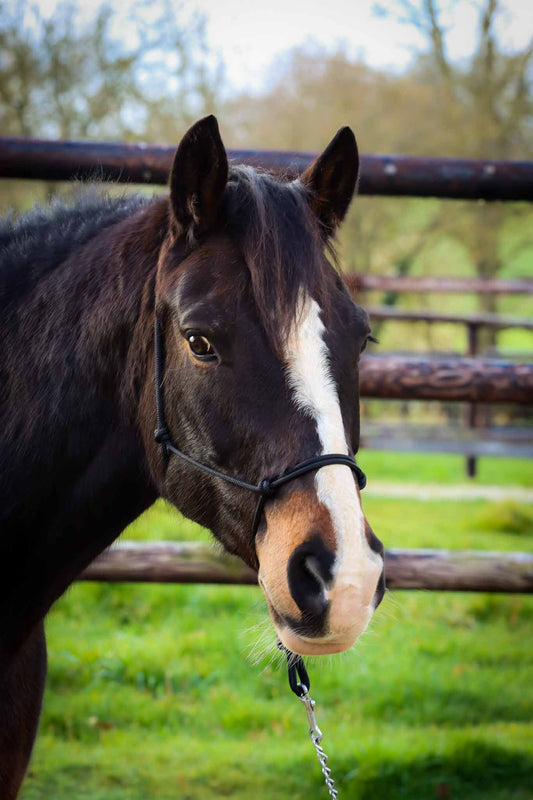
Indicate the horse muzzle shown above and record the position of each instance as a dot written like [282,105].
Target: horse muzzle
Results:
[321,592]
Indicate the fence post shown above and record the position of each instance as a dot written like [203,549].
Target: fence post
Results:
[473,341]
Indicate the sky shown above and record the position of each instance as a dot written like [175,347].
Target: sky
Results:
[251,37]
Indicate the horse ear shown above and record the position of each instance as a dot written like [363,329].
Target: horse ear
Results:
[331,179]
[198,177]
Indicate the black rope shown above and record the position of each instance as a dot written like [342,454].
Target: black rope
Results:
[215,472]
[298,676]
[161,433]
[316,463]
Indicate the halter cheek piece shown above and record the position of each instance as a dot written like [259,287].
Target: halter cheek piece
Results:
[267,487]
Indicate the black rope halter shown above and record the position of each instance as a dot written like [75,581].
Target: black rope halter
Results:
[267,487]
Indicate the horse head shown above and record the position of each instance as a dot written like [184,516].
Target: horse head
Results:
[262,343]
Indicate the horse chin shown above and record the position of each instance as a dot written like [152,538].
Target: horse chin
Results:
[305,646]
[346,630]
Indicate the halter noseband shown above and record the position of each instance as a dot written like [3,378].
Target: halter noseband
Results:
[267,487]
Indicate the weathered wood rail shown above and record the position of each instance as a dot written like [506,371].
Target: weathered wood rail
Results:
[481,320]
[192,562]
[499,442]
[426,284]
[446,379]
[417,176]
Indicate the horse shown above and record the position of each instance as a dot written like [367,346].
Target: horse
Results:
[255,362]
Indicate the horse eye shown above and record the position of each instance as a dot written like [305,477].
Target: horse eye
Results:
[200,346]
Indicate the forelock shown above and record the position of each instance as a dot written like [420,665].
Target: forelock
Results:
[272,222]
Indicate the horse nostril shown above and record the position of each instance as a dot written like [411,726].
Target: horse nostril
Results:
[309,574]
[313,567]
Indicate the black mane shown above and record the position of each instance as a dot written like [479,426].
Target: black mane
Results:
[269,218]
[38,241]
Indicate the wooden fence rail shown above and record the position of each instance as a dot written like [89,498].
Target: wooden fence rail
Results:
[474,380]
[417,176]
[506,441]
[425,284]
[479,320]
[193,562]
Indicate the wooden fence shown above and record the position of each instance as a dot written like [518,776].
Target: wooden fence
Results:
[415,176]
[449,379]
[469,445]
[192,562]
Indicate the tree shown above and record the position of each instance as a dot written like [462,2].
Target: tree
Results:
[63,77]
[484,108]
[67,77]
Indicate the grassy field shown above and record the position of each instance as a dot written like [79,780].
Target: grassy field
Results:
[444,469]
[154,691]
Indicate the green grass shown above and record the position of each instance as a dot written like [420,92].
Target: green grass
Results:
[152,693]
[444,469]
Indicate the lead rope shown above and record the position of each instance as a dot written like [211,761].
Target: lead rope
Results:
[300,685]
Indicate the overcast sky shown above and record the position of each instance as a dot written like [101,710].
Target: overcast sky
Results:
[250,36]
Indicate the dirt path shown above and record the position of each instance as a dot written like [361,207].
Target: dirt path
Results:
[435,491]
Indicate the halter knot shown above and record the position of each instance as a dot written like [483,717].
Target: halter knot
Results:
[162,435]
[266,489]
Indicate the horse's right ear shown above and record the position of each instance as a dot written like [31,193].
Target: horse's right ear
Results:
[198,178]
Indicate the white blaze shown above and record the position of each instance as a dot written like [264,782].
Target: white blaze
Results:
[357,567]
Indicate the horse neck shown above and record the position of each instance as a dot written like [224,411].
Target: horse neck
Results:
[80,350]
[119,334]
[73,467]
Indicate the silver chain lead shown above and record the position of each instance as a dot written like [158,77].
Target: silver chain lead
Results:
[316,737]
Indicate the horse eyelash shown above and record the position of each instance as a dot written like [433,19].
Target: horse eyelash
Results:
[368,339]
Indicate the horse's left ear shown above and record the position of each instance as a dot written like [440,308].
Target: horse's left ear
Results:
[331,180]
[198,178]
